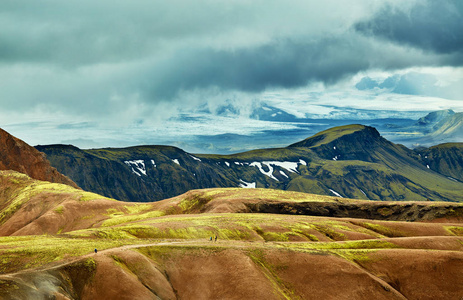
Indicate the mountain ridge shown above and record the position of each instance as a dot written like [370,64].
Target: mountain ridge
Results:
[352,161]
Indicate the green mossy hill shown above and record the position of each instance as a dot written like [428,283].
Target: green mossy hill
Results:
[357,142]
[352,161]
[330,135]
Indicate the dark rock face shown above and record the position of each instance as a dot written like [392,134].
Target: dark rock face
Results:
[18,156]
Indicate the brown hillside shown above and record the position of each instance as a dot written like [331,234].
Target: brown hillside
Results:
[271,245]
[19,156]
[225,270]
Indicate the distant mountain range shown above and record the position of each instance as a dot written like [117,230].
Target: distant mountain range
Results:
[412,129]
[436,127]
[351,161]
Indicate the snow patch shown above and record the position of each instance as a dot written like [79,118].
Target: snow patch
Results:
[427,166]
[247,185]
[363,193]
[287,165]
[195,158]
[269,173]
[266,108]
[176,161]
[154,164]
[336,193]
[274,115]
[137,166]
[227,163]
[451,178]
[334,147]
[284,174]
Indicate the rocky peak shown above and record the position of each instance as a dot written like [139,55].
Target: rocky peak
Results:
[17,155]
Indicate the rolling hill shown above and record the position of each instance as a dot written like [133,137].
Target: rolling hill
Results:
[271,244]
[351,161]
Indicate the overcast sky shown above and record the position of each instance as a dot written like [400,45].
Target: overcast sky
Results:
[111,67]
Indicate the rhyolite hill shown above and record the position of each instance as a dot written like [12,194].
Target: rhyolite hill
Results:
[351,161]
[265,249]
[17,155]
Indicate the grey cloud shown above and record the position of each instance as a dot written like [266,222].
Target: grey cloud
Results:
[286,64]
[367,83]
[279,64]
[429,25]
[74,33]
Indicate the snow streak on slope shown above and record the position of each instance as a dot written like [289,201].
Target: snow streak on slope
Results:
[287,165]
[137,166]
[336,193]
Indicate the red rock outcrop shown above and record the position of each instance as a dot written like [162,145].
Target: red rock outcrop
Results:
[17,155]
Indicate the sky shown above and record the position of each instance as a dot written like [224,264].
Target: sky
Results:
[121,73]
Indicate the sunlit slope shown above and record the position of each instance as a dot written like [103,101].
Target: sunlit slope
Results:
[351,161]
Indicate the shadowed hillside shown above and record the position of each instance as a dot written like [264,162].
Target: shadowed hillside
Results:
[446,159]
[351,161]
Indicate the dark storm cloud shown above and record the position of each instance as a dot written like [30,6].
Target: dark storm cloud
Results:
[433,25]
[280,64]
